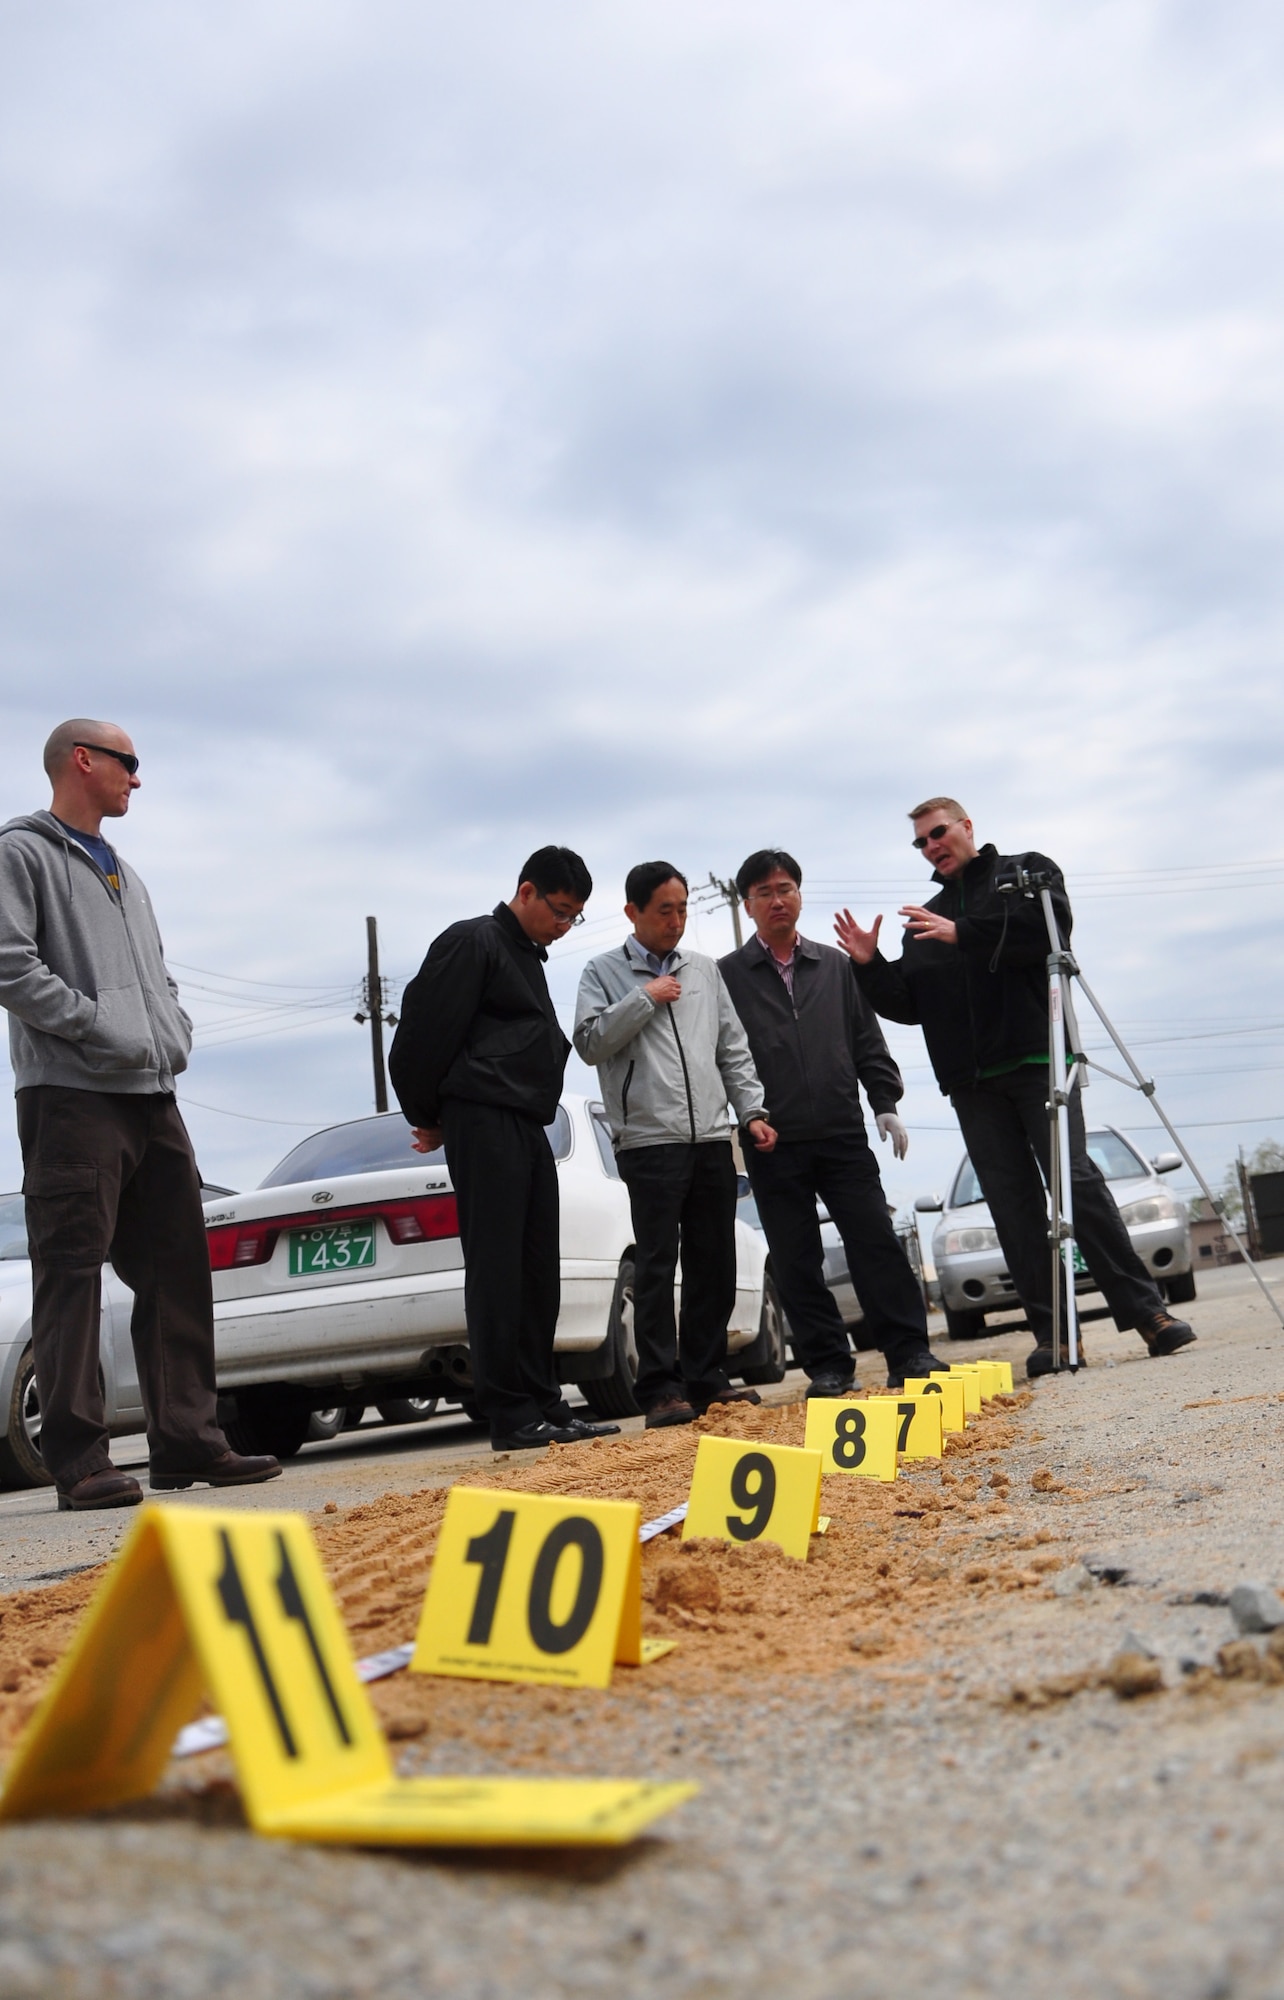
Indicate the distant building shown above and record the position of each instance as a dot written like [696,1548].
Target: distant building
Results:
[1209,1242]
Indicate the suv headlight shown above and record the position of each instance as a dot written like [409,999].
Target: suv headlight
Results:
[957,1242]
[1155,1208]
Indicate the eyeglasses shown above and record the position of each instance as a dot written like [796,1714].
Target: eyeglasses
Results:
[125,757]
[563,916]
[773,892]
[934,833]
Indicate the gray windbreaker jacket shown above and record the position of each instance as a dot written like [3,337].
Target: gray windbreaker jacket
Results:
[82,973]
[667,1072]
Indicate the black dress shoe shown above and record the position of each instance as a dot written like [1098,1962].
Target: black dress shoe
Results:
[831,1382]
[917,1362]
[230,1468]
[107,1488]
[584,1429]
[533,1437]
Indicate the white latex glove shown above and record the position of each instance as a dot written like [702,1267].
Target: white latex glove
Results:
[890,1127]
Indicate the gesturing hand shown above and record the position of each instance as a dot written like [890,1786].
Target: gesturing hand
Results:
[664,989]
[858,944]
[922,923]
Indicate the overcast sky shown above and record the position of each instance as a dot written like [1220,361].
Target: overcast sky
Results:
[665,429]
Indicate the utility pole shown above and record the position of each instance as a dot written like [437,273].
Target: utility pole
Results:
[731,896]
[374,999]
[1250,1213]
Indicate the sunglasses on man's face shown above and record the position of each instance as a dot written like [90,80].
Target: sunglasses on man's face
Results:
[125,757]
[933,833]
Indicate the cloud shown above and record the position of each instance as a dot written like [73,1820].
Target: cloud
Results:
[654,428]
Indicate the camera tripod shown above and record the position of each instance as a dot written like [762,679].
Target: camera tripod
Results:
[1067,1066]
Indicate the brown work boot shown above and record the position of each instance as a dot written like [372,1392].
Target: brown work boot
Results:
[669,1410]
[107,1488]
[1163,1334]
[729,1396]
[230,1468]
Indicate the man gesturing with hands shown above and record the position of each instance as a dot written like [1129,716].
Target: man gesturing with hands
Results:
[973,974]
[657,1024]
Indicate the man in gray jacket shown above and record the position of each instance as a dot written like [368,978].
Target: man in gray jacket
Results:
[96,1038]
[658,1025]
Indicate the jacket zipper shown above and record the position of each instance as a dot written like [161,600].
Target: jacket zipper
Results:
[624,1094]
[686,1077]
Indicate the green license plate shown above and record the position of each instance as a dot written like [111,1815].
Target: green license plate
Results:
[1081,1269]
[332,1246]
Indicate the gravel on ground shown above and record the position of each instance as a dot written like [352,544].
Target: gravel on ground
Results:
[1001,1730]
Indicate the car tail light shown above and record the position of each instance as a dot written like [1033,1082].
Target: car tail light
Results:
[424,1221]
[235,1244]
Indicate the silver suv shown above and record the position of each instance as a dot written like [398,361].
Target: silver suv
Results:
[969,1263]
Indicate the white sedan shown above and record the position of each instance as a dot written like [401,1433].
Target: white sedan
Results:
[340,1280]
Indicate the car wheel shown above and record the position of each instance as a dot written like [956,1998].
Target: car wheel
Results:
[268,1423]
[409,1409]
[964,1325]
[1179,1291]
[323,1424]
[767,1360]
[612,1395]
[20,1460]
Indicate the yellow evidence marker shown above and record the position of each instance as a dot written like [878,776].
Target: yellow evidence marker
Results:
[238,1605]
[951,1392]
[854,1436]
[921,1429]
[994,1377]
[528,1587]
[744,1492]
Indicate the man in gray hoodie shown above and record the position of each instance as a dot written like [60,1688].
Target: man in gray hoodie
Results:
[96,1038]
[658,1025]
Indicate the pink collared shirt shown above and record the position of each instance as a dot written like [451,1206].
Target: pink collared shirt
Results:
[784,966]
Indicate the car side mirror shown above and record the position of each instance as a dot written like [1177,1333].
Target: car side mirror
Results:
[929,1204]
[1166,1163]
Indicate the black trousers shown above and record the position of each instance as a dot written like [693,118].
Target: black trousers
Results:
[843,1173]
[114,1176]
[1004,1121]
[682,1196]
[509,1222]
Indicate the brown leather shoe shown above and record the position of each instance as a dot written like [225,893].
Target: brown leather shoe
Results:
[669,1410]
[729,1396]
[108,1488]
[230,1469]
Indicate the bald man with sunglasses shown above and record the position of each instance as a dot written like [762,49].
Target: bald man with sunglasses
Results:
[97,1039]
[973,975]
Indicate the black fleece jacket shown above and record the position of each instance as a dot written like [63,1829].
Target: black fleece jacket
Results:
[983,1001]
[812,1052]
[477,1023]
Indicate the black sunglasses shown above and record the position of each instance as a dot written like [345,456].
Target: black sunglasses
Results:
[934,833]
[125,757]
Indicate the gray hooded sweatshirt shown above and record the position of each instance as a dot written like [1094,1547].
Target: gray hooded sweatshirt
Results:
[667,1072]
[82,972]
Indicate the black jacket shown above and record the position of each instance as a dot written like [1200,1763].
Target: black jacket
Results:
[477,1023]
[811,1053]
[983,1001]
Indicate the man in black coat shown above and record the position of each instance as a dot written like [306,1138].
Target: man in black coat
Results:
[973,974]
[814,1041]
[477,1064]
